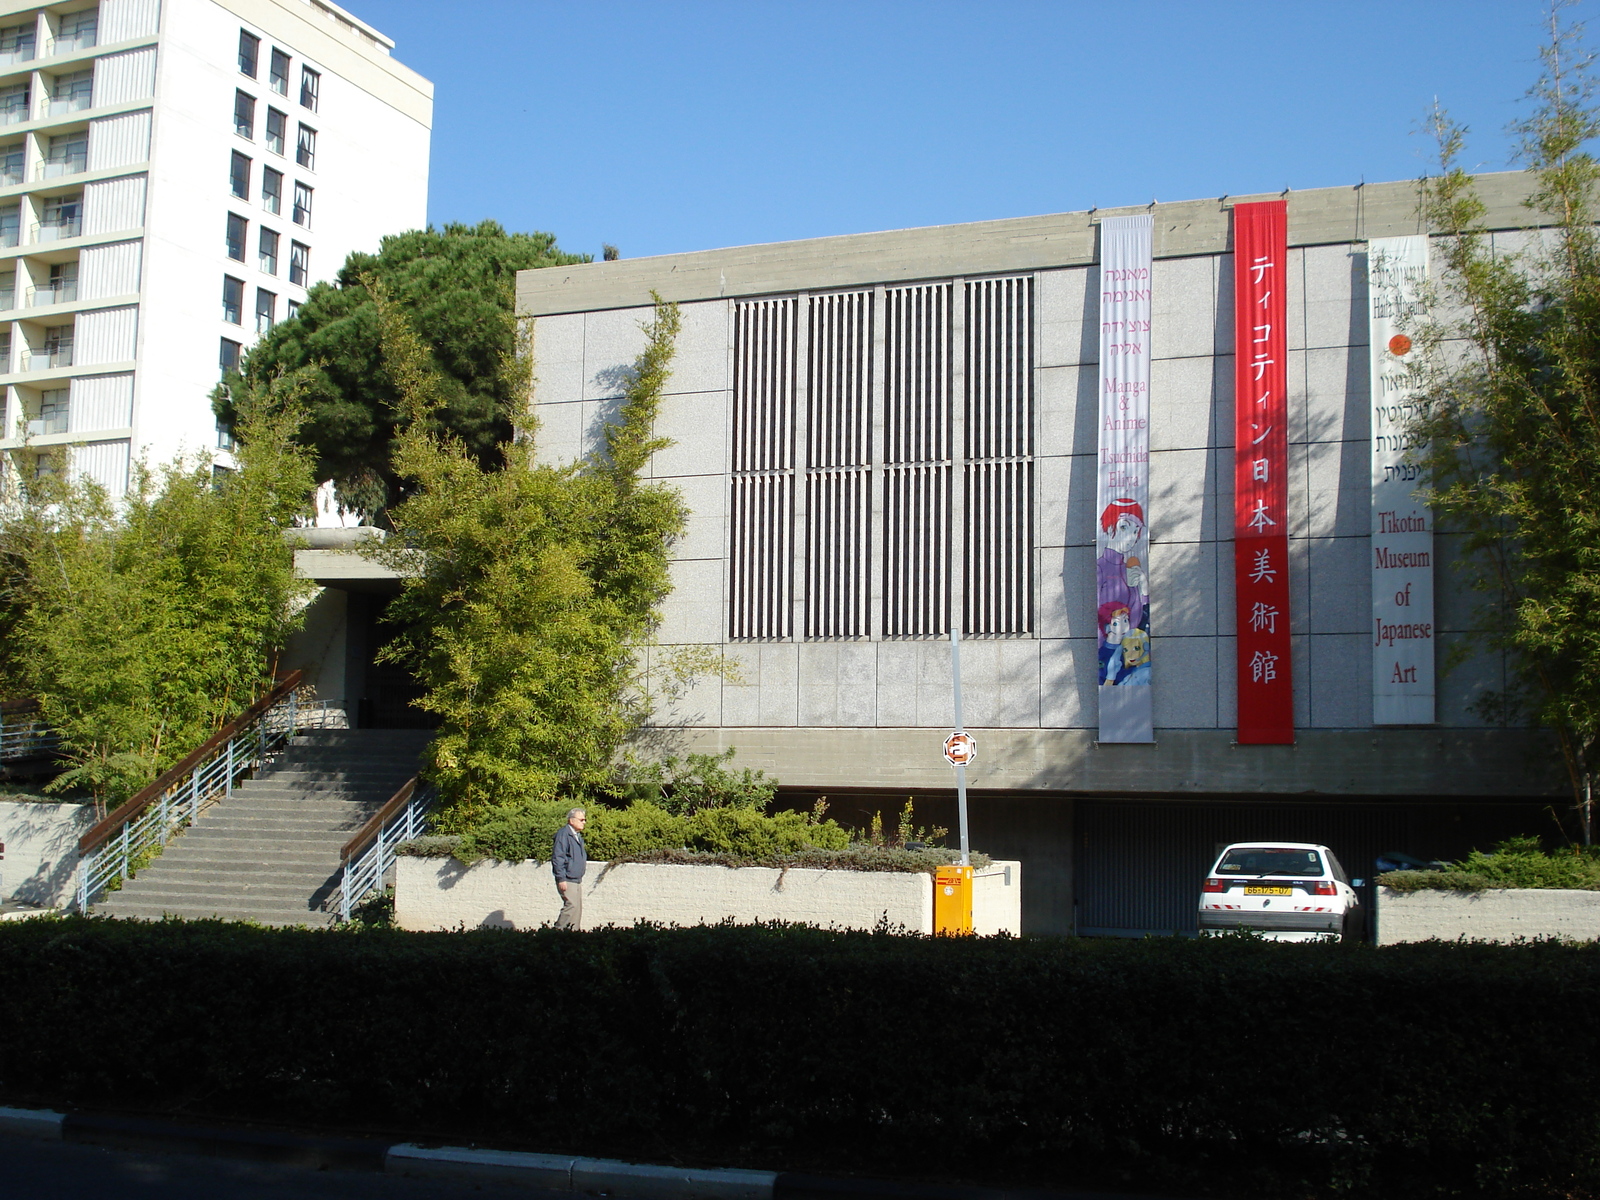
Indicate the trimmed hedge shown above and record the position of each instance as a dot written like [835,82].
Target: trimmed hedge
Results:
[1515,863]
[1220,1065]
[615,834]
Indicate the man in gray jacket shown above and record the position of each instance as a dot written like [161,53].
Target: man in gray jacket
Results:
[568,857]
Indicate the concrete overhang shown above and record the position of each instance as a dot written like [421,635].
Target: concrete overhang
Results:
[351,571]
[1317,216]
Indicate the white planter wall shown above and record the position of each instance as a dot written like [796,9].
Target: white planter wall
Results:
[1498,915]
[41,856]
[442,894]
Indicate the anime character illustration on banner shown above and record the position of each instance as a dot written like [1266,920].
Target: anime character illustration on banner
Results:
[1122,595]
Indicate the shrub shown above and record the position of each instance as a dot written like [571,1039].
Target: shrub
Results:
[1179,1066]
[701,781]
[1515,863]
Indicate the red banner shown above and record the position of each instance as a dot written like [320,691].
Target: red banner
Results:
[1260,471]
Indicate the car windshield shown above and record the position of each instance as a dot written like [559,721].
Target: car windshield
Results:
[1269,860]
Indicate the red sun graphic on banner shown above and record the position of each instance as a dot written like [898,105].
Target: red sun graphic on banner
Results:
[1399,345]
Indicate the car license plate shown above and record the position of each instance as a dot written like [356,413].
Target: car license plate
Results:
[1267,891]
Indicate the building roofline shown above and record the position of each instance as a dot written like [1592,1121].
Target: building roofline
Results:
[1319,216]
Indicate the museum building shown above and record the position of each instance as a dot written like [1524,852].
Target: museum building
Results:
[1158,486]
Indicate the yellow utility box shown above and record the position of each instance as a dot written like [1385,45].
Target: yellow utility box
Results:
[952,900]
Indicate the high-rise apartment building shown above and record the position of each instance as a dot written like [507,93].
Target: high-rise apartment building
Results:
[174,174]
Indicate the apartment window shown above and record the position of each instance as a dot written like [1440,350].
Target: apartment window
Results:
[8,290]
[225,439]
[13,104]
[305,148]
[228,359]
[300,264]
[62,287]
[57,347]
[302,205]
[249,52]
[277,126]
[278,73]
[292,310]
[271,190]
[244,114]
[5,352]
[240,176]
[310,86]
[232,300]
[72,93]
[267,252]
[17,43]
[78,31]
[61,217]
[10,225]
[266,310]
[237,228]
[12,160]
[68,155]
[53,411]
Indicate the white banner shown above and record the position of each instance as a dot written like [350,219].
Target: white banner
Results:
[1402,529]
[1122,536]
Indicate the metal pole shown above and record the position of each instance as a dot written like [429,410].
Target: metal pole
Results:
[961,771]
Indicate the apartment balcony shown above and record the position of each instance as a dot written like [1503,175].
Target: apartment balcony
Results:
[61,106]
[48,360]
[71,45]
[17,54]
[8,299]
[68,164]
[53,424]
[53,231]
[10,236]
[14,111]
[61,293]
[12,171]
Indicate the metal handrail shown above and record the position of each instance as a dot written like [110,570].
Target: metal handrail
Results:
[22,734]
[148,820]
[367,857]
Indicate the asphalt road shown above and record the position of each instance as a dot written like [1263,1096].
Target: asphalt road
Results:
[31,1169]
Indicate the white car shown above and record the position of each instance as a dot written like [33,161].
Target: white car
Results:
[1286,891]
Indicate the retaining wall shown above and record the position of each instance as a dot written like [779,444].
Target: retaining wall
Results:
[441,893]
[1496,915]
[41,856]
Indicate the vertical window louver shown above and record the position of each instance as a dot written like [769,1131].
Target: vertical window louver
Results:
[916,461]
[838,465]
[761,516]
[998,483]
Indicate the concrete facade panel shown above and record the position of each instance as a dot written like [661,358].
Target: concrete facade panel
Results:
[897,683]
[1341,678]
[696,615]
[611,342]
[1067,309]
[559,436]
[1182,396]
[1067,410]
[1339,496]
[1336,296]
[705,535]
[779,685]
[1183,589]
[1182,307]
[1068,697]
[1182,503]
[696,424]
[1339,584]
[701,361]
[1066,500]
[1180,669]
[1337,395]
[1067,592]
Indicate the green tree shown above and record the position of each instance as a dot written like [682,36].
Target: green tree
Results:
[1511,431]
[538,586]
[455,287]
[144,624]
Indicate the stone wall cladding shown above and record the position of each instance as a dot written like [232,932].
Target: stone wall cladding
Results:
[443,894]
[41,850]
[1497,915]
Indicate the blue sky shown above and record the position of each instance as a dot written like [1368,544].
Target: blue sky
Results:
[673,126]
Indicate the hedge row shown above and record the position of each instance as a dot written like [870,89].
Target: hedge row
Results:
[1221,1065]
[1515,863]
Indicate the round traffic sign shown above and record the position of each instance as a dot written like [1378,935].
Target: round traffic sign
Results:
[960,749]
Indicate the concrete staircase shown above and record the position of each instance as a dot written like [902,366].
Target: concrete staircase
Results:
[270,853]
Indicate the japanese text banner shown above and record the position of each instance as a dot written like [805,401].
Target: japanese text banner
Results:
[1402,529]
[1122,537]
[1260,472]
